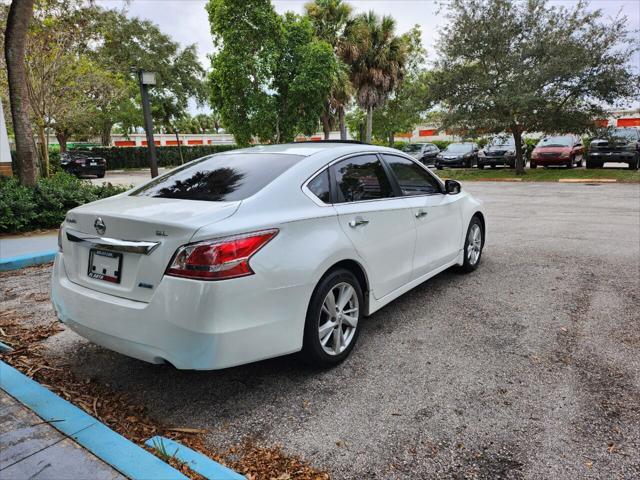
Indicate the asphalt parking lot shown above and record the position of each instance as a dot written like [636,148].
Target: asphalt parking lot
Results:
[527,368]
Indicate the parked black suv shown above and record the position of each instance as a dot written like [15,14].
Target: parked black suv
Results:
[83,162]
[616,145]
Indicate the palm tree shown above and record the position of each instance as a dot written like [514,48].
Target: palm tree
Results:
[15,39]
[329,19]
[376,57]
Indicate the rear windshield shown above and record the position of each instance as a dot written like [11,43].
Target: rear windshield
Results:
[220,178]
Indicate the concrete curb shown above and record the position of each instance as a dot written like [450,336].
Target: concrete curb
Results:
[21,261]
[123,455]
[587,180]
[196,461]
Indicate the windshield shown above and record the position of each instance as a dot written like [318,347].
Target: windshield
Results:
[626,133]
[220,178]
[412,147]
[459,148]
[562,141]
[502,142]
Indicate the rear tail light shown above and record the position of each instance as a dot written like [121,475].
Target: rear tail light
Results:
[219,259]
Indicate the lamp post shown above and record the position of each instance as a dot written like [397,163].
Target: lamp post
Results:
[147,79]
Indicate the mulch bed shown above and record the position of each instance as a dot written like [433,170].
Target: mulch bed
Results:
[128,417]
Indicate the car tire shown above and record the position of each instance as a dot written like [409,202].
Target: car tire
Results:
[570,163]
[633,164]
[315,346]
[481,166]
[473,245]
[533,165]
[100,175]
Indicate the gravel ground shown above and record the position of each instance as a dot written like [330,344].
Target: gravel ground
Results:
[527,368]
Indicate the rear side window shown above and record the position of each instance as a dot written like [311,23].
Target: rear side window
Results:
[412,178]
[319,186]
[220,178]
[361,178]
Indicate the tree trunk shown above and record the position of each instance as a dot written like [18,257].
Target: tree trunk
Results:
[392,139]
[175,130]
[62,140]
[105,134]
[517,137]
[369,124]
[44,150]
[326,123]
[20,13]
[341,122]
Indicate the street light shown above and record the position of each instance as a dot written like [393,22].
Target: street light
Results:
[146,80]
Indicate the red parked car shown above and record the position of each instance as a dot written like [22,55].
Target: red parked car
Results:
[561,150]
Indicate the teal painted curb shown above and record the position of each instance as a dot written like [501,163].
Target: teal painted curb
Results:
[126,457]
[21,261]
[196,461]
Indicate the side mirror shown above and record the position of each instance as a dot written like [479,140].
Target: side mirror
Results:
[452,187]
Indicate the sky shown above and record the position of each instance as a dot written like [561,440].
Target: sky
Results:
[186,20]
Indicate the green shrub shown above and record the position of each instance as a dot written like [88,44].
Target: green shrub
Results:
[17,206]
[137,157]
[45,206]
[441,144]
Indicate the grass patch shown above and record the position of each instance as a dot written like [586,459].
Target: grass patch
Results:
[541,174]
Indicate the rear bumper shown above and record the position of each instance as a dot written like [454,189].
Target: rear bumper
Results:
[190,324]
[84,170]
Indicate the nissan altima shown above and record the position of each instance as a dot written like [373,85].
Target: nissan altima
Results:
[260,252]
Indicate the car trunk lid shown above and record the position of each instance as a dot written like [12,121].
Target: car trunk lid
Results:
[139,238]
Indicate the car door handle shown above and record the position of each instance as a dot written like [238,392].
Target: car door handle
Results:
[421,213]
[357,222]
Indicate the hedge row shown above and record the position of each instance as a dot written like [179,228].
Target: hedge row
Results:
[45,205]
[137,157]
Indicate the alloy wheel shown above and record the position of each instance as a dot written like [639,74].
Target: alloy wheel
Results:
[338,319]
[474,247]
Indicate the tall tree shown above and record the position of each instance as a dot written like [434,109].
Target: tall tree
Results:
[376,57]
[19,17]
[410,101]
[131,44]
[329,19]
[275,85]
[546,68]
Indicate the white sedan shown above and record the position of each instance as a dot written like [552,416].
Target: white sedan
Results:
[260,252]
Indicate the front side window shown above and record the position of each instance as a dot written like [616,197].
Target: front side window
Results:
[220,178]
[319,186]
[361,178]
[412,178]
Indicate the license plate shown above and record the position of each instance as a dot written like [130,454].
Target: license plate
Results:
[105,265]
[93,164]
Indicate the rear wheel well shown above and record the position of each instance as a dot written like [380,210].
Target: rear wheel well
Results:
[357,270]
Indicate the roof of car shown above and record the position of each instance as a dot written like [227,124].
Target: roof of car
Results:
[309,148]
